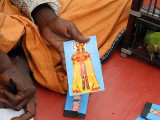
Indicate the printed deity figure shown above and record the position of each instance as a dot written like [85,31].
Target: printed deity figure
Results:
[84,79]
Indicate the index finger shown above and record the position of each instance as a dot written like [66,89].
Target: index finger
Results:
[30,110]
[14,99]
[76,34]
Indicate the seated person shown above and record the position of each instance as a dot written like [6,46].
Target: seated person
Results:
[40,49]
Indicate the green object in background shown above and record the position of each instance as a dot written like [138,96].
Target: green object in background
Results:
[152,39]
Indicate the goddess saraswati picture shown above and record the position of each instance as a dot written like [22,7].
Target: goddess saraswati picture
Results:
[84,78]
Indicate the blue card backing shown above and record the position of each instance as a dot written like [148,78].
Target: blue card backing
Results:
[68,112]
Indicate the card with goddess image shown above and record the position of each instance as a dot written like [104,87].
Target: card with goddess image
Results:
[83,67]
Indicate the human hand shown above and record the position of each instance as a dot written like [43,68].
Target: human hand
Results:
[56,30]
[25,97]
[60,30]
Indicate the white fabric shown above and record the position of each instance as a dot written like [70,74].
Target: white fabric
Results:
[7,114]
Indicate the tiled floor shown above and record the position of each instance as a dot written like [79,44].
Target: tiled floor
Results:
[129,83]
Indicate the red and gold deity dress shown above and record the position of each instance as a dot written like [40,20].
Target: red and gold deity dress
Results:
[84,79]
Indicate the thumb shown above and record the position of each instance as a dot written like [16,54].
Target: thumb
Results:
[76,35]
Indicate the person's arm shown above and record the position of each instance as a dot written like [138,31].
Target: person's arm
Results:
[27,6]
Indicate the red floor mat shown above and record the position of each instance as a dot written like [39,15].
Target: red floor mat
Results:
[129,83]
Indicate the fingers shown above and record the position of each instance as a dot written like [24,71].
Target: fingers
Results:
[61,52]
[64,64]
[20,106]
[13,99]
[30,110]
[63,58]
[4,79]
[10,96]
[59,47]
[76,35]
[5,102]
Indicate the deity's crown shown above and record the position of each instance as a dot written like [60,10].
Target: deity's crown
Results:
[80,46]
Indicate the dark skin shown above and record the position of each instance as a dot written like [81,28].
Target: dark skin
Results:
[17,69]
[56,31]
